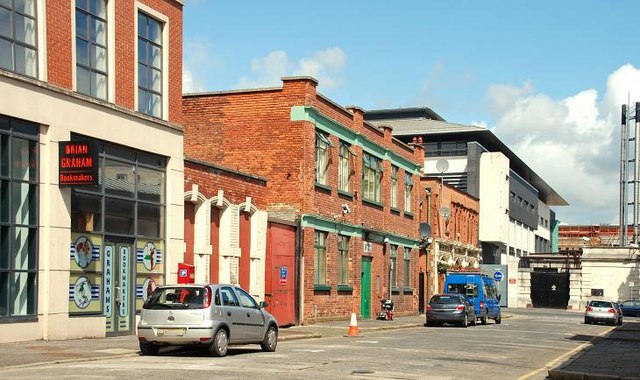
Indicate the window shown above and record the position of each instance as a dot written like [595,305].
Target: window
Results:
[343,260]
[320,276]
[18,46]
[344,168]
[91,48]
[18,219]
[322,158]
[394,187]
[394,267]
[371,177]
[407,267]
[408,188]
[149,65]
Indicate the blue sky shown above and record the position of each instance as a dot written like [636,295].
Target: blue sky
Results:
[547,77]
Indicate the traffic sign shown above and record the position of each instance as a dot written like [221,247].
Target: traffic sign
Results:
[498,275]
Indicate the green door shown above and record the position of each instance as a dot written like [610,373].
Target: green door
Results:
[365,293]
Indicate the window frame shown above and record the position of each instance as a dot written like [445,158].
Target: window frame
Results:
[10,130]
[88,39]
[147,109]
[320,268]
[322,158]
[394,186]
[14,41]
[344,273]
[372,172]
[394,266]
[406,274]
[344,167]
[408,192]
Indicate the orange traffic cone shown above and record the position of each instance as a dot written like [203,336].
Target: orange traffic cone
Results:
[353,326]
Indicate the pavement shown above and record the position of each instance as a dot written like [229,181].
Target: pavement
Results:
[614,355]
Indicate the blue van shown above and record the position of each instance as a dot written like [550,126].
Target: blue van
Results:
[480,289]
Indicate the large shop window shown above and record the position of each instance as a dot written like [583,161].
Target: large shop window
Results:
[18,219]
[127,205]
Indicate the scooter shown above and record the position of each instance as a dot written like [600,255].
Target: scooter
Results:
[386,310]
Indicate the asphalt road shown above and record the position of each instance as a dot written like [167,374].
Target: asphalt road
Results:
[521,347]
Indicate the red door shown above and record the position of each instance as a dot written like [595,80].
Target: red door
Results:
[280,273]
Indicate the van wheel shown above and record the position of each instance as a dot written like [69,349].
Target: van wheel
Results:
[220,343]
[483,319]
[499,319]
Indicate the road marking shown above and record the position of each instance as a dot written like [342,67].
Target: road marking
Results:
[314,351]
[553,363]
[368,341]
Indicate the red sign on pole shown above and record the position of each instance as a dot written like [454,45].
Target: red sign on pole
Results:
[78,163]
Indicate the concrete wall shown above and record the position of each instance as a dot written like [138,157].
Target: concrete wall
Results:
[494,198]
[614,270]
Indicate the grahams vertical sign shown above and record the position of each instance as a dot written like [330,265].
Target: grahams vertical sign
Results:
[78,163]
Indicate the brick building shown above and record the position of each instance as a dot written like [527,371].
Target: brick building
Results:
[453,216]
[346,190]
[91,163]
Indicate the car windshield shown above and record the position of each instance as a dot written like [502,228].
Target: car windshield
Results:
[177,298]
[600,304]
[445,299]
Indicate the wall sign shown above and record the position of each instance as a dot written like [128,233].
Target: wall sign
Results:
[77,163]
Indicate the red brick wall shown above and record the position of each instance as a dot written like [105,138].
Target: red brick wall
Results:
[60,35]
[236,188]
[252,131]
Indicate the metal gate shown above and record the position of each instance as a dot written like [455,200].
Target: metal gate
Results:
[550,289]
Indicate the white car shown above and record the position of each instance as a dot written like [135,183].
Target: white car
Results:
[603,311]
[213,316]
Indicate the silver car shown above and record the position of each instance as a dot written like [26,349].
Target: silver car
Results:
[603,311]
[213,316]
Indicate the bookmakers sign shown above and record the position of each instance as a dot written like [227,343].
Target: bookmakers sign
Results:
[78,163]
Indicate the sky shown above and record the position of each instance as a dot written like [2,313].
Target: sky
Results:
[547,77]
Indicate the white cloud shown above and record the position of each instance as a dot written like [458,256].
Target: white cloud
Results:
[197,59]
[324,65]
[572,143]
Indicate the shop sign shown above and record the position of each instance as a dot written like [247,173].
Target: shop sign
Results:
[78,163]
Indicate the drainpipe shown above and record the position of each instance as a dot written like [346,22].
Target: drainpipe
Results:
[428,247]
[298,272]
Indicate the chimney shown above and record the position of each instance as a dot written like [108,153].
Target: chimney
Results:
[300,87]
[358,117]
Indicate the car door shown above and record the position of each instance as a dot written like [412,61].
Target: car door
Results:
[254,322]
[234,313]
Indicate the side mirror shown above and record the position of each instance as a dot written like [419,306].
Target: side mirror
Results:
[263,304]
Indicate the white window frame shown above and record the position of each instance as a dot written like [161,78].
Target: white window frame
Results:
[139,7]
[408,191]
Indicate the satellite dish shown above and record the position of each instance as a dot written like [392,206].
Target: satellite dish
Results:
[442,165]
[445,212]
[425,230]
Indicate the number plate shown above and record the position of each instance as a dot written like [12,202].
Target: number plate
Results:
[171,332]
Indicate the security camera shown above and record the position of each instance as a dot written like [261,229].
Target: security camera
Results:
[345,209]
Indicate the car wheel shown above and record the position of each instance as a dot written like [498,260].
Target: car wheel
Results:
[270,340]
[429,324]
[465,322]
[474,321]
[499,319]
[220,343]
[483,319]
[147,348]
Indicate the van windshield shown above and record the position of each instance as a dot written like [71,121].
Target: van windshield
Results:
[469,290]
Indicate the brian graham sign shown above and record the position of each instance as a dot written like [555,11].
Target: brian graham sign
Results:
[78,163]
